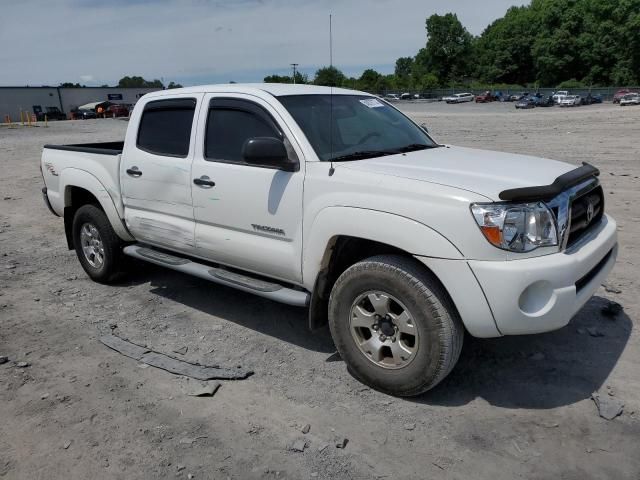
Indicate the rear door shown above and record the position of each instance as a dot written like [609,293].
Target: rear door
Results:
[155,172]
[247,216]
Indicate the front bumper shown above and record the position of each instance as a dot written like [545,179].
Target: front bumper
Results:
[540,294]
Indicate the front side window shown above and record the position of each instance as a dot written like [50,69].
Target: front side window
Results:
[165,127]
[230,123]
[354,127]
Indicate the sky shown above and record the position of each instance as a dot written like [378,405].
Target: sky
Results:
[95,42]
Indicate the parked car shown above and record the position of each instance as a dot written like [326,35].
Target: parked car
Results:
[51,113]
[451,241]
[116,110]
[406,96]
[485,97]
[514,97]
[83,114]
[591,99]
[526,102]
[621,93]
[571,101]
[630,99]
[545,101]
[559,95]
[461,98]
[392,96]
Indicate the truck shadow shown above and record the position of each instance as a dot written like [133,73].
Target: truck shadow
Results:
[538,371]
[267,317]
[529,371]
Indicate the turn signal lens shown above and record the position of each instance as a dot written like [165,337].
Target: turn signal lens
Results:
[516,227]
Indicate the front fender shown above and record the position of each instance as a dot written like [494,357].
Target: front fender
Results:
[395,230]
[74,177]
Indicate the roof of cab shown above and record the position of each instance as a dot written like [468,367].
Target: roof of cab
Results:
[275,89]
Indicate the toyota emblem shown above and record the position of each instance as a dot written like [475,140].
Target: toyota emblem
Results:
[589,212]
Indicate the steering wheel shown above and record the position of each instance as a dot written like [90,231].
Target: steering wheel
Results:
[367,137]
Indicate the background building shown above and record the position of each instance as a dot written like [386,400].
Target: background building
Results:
[16,99]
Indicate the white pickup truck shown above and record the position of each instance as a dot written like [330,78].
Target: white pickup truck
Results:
[559,96]
[334,200]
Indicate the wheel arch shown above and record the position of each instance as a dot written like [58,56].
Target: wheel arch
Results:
[81,188]
[342,236]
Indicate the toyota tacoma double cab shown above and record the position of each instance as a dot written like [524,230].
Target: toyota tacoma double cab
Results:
[335,201]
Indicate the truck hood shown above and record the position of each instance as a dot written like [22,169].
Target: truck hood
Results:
[480,171]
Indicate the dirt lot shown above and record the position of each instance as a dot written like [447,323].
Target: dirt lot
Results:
[515,407]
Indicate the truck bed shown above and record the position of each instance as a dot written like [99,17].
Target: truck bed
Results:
[102,148]
[93,166]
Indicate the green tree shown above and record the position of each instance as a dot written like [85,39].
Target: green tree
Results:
[448,51]
[329,77]
[139,82]
[368,81]
[403,72]
[174,85]
[300,78]
[427,82]
[70,85]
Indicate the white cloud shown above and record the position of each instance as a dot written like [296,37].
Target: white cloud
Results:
[200,41]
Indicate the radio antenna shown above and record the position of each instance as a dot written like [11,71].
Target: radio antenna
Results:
[331,169]
[330,43]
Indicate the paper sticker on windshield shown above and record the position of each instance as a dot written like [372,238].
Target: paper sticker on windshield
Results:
[372,103]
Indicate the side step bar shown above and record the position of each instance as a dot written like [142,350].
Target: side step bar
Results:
[262,288]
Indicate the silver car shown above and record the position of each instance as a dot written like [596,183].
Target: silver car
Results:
[630,99]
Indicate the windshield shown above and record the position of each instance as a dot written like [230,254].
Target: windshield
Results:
[353,127]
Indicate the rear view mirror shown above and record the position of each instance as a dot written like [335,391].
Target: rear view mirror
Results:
[424,127]
[268,152]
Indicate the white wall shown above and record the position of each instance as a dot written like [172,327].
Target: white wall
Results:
[13,99]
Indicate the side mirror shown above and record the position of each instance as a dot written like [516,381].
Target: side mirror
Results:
[268,152]
[424,127]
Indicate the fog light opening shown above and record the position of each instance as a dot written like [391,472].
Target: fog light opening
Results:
[537,299]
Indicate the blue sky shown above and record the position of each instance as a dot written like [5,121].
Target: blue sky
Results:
[45,42]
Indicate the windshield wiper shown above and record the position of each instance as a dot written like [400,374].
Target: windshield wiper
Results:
[361,155]
[415,147]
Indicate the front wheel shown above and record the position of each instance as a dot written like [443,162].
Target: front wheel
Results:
[394,325]
[97,245]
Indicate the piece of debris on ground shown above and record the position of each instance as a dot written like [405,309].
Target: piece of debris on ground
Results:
[611,309]
[609,407]
[173,365]
[200,389]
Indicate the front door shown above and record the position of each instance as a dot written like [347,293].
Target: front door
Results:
[155,173]
[247,216]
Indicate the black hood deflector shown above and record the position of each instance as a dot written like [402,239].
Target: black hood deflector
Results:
[547,192]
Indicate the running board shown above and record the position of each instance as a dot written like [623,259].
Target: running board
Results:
[262,288]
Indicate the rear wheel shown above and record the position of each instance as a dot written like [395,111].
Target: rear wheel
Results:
[394,325]
[97,245]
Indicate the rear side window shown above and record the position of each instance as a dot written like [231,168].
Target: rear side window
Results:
[230,124]
[165,127]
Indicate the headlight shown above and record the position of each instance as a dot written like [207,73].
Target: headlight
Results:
[517,227]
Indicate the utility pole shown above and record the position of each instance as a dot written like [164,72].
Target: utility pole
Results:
[294,65]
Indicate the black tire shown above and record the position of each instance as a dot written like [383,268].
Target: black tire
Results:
[111,243]
[437,321]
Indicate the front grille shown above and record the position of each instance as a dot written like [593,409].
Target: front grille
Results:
[590,204]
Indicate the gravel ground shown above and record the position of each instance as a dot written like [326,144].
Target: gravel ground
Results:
[516,407]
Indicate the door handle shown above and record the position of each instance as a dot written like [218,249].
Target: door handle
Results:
[204,182]
[134,172]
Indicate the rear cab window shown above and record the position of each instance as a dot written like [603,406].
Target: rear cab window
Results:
[165,127]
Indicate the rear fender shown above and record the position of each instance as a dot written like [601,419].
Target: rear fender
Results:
[73,177]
